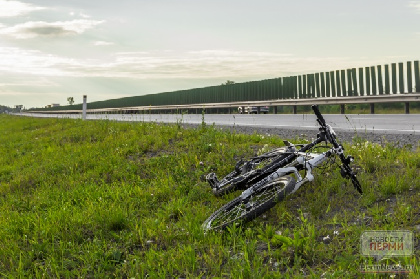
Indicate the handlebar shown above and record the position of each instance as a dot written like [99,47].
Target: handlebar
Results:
[324,127]
[346,170]
[318,114]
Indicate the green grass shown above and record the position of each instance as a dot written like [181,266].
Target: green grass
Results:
[99,199]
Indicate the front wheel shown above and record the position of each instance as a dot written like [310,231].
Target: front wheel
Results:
[246,209]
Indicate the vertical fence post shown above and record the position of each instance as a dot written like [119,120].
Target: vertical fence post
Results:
[338,84]
[309,89]
[373,79]
[273,89]
[361,83]
[333,91]
[409,77]
[354,79]
[367,75]
[286,90]
[317,86]
[304,94]
[313,94]
[291,87]
[394,77]
[281,91]
[283,87]
[380,82]
[293,84]
[328,83]
[387,85]
[300,87]
[401,77]
[349,83]
[322,84]
[417,75]
[343,83]
[84,107]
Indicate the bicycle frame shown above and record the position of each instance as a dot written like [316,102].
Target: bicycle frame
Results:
[301,163]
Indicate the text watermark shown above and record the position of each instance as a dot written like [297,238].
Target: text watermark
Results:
[387,243]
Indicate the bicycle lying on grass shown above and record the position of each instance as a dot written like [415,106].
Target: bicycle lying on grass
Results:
[269,178]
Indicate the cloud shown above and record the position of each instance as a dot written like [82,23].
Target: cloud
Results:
[209,64]
[17,60]
[103,43]
[84,15]
[415,4]
[16,8]
[81,14]
[34,29]
[214,64]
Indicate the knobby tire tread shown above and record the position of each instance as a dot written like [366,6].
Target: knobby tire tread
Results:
[289,184]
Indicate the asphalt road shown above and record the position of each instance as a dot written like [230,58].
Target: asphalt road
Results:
[380,123]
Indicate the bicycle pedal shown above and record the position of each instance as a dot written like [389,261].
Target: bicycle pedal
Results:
[238,166]
[211,178]
[246,168]
[287,143]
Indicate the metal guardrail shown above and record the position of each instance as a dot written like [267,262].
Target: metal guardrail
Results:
[404,98]
[389,79]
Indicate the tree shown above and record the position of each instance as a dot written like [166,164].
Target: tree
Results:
[228,82]
[70,100]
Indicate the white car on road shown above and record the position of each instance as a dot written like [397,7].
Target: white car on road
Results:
[253,109]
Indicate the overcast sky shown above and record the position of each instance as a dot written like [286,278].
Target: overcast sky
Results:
[52,49]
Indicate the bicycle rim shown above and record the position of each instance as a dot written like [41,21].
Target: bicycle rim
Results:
[239,210]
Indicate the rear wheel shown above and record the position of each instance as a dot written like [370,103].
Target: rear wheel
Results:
[230,183]
[243,210]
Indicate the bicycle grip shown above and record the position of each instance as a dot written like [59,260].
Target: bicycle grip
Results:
[319,115]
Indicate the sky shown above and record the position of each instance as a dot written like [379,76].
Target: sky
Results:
[54,49]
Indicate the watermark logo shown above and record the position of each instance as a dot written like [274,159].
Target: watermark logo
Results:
[381,244]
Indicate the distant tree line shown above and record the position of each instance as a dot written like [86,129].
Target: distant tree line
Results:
[4,109]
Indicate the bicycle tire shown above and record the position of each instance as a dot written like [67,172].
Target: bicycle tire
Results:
[263,199]
[226,185]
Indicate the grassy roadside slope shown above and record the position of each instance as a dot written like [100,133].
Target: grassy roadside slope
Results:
[105,199]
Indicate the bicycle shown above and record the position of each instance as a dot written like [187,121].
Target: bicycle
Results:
[245,170]
[265,187]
